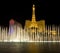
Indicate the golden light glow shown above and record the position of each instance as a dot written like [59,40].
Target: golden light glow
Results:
[34,31]
[54,32]
[33,13]
[40,25]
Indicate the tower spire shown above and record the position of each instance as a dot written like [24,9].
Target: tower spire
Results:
[33,13]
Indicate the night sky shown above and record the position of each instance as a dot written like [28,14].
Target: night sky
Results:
[22,10]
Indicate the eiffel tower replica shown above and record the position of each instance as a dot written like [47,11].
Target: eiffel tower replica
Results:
[32,26]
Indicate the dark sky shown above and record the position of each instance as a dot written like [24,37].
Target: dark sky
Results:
[22,10]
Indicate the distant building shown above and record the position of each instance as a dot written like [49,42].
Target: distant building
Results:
[33,24]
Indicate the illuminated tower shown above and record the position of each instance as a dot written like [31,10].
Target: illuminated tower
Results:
[33,14]
[33,26]
[33,23]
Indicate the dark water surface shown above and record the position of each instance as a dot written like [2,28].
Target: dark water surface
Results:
[29,47]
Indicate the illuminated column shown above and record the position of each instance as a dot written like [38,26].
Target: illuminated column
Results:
[58,33]
[0,33]
[45,32]
[30,36]
[24,37]
[11,28]
[17,31]
[35,34]
[20,34]
[38,35]
[50,34]
[14,35]
[9,34]
[44,36]
[53,36]
[6,34]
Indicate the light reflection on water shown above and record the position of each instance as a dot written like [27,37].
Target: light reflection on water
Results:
[29,47]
